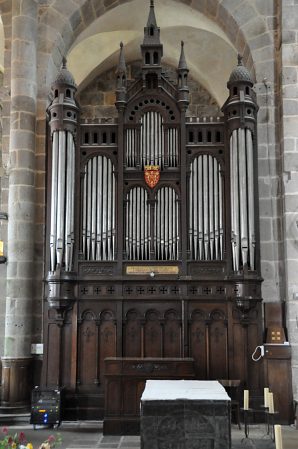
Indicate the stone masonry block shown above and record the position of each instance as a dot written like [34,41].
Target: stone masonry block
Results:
[24,70]
[290,17]
[254,27]
[260,41]
[27,121]
[25,159]
[23,212]
[266,234]
[230,5]
[88,13]
[263,54]
[291,202]
[24,28]
[65,9]
[40,180]
[288,36]
[265,206]
[22,177]
[289,75]
[40,162]
[23,103]
[290,55]
[40,196]
[26,193]
[291,126]
[23,51]
[270,291]
[265,70]
[292,270]
[52,18]
[265,8]
[291,161]
[290,91]
[268,251]
[212,8]
[22,139]
[19,291]
[23,87]
[244,13]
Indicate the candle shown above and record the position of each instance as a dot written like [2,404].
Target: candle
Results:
[278,438]
[266,391]
[245,399]
[271,402]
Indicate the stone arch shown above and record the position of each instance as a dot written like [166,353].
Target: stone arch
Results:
[242,22]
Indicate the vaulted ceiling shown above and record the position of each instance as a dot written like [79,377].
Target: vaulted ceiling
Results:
[210,54]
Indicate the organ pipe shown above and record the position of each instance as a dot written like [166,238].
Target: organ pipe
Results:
[62,201]
[152,143]
[242,199]
[137,232]
[98,227]
[166,233]
[205,209]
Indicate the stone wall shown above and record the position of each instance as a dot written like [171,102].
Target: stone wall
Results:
[289,128]
[98,98]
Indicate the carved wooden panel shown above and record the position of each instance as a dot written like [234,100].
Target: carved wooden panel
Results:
[152,335]
[53,355]
[132,334]
[172,335]
[198,343]
[107,340]
[88,338]
[65,354]
[217,346]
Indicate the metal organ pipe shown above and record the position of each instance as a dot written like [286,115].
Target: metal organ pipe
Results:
[242,199]
[98,237]
[61,198]
[205,209]
[137,221]
[62,201]
[69,215]
[250,188]
[53,236]
[166,235]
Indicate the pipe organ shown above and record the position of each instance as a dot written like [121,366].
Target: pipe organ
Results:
[153,234]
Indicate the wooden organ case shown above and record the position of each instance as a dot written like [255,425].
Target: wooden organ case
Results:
[152,232]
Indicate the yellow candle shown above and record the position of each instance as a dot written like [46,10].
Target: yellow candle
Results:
[271,402]
[278,437]
[1,248]
[266,391]
[245,399]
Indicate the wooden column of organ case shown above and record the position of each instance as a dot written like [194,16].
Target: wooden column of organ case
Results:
[152,232]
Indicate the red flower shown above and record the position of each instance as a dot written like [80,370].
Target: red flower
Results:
[22,437]
[10,440]
[5,430]
[51,439]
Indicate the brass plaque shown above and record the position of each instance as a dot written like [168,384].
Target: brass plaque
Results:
[156,269]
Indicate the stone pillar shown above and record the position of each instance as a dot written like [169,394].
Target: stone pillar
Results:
[21,199]
[289,123]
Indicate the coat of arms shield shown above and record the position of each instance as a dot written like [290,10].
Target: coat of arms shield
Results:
[152,175]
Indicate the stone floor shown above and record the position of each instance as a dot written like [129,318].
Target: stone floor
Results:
[88,435]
